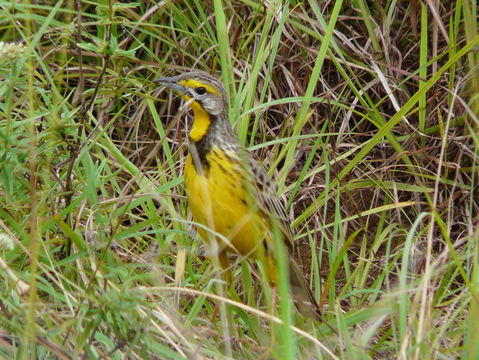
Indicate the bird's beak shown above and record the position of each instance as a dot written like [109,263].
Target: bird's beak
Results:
[172,83]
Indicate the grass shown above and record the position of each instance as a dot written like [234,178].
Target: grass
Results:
[366,115]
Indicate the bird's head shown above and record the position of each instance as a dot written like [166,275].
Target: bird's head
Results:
[202,88]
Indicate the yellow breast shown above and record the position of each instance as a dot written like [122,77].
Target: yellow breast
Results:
[220,202]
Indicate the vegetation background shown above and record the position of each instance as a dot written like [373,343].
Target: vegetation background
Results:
[365,112]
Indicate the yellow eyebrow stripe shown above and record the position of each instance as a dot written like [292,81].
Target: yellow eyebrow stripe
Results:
[195,84]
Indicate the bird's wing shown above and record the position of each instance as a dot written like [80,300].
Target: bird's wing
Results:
[268,202]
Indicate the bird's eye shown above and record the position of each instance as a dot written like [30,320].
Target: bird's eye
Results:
[200,90]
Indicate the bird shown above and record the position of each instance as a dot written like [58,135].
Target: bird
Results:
[232,200]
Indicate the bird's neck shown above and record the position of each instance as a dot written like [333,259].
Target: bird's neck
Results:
[209,131]
[201,122]
[212,129]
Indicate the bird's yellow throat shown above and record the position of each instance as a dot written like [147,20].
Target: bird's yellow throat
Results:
[201,122]
[202,119]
